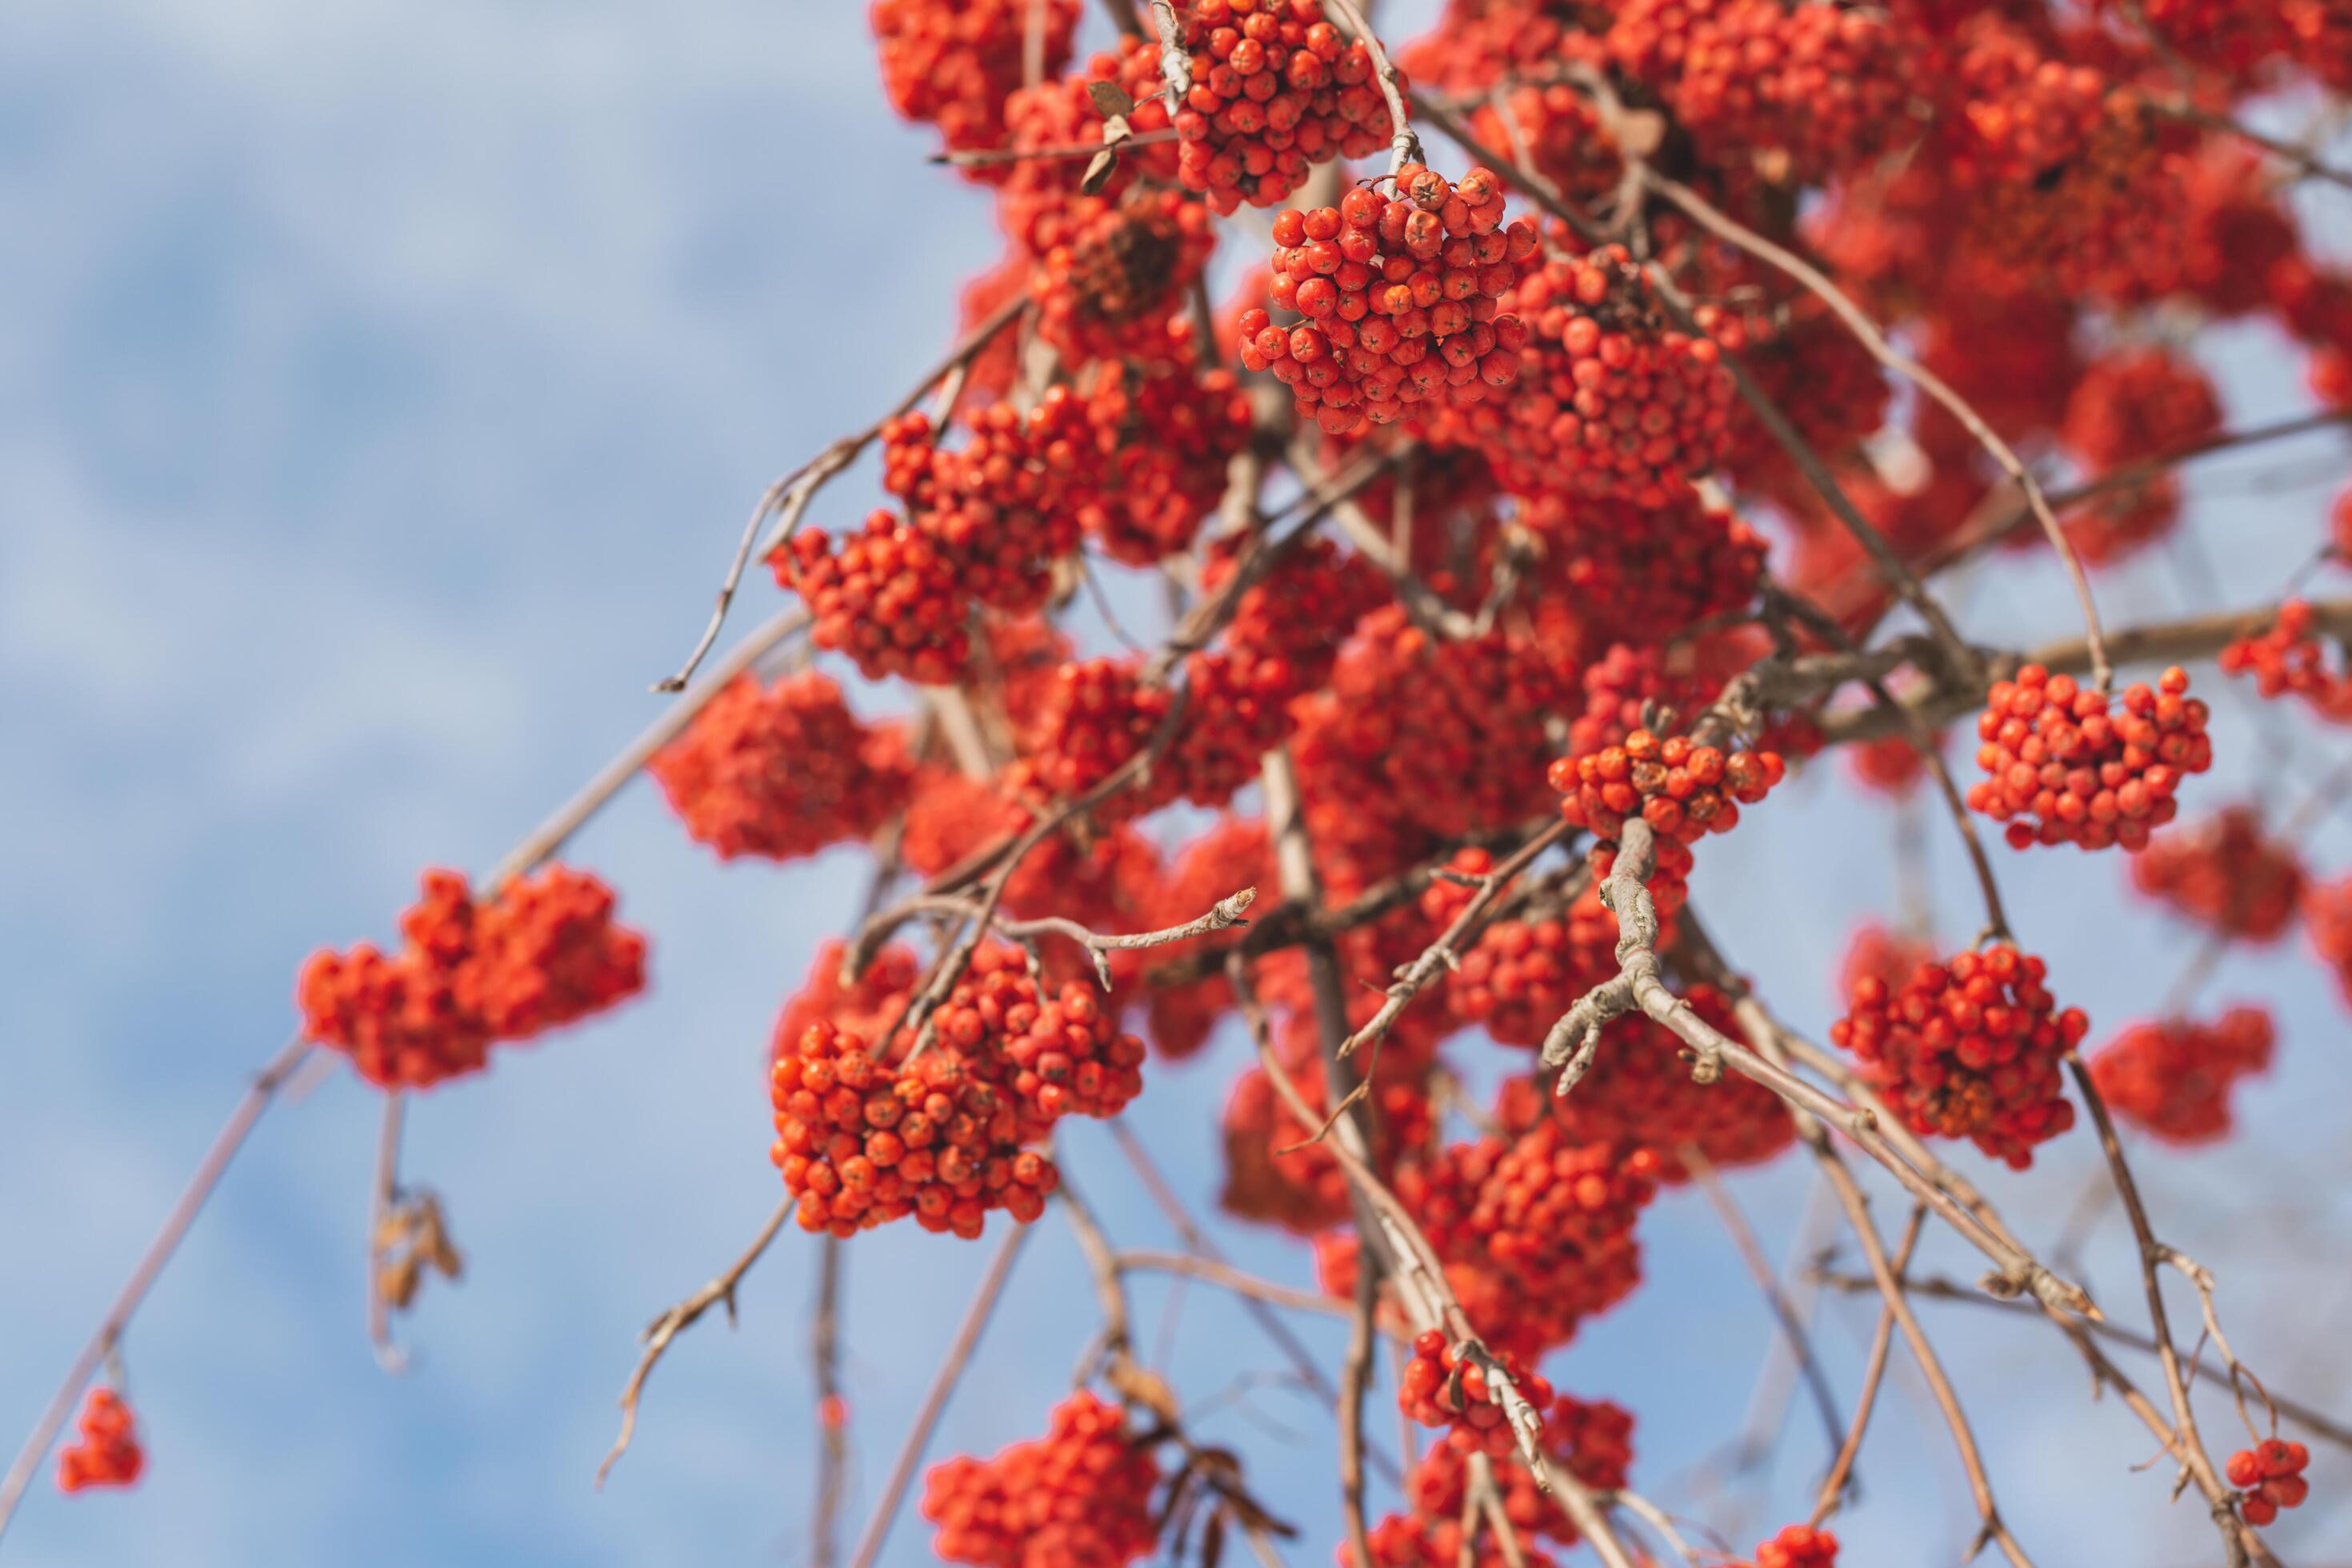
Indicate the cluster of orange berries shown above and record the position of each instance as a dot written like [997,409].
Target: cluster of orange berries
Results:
[1442,1387]
[887,596]
[2286,657]
[542,953]
[2062,769]
[1105,290]
[2226,874]
[1592,1441]
[783,771]
[1522,973]
[1683,790]
[2173,1078]
[954,62]
[2270,1474]
[1009,502]
[2138,403]
[2327,919]
[1805,91]
[1166,438]
[1548,1215]
[1613,400]
[1399,301]
[1799,1546]
[1080,1497]
[941,1136]
[1631,570]
[105,1451]
[1274,1174]
[1277,90]
[1968,1049]
[1875,952]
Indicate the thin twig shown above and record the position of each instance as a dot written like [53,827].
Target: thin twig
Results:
[831,1431]
[1405,145]
[1882,1340]
[987,156]
[1223,915]
[1175,61]
[721,1290]
[103,1343]
[384,1191]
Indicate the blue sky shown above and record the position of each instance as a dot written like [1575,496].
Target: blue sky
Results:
[381,387]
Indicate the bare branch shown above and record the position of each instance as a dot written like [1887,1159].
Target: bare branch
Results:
[383,1192]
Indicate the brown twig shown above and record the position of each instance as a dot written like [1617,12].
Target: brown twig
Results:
[985,156]
[104,1342]
[1223,915]
[2189,1449]
[1768,1280]
[935,1399]
[720,1292]
[2302,158]
[383,1190]
[1882,1340]
[831,1433]
[1355,1378]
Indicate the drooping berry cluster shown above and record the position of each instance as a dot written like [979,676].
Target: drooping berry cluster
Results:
[2173,1078]
[954,62]
[2326,912]
[1006,505]
[1442,1387]
[861,1141]
[1804,91]
[1105,290]
[1613,400]
[1080,1497]
[1549,1218]
[783,771]
[1799,1546]
[1523,973]
[542,953]
[860,1144]
[1685,791]
[1636,574]
[1274,1172]
[1589,1440]
[2286,657]
[1968,1049]
[1166,438]
[105,1451]
[1399,301]
[2270,1474]
[887,596]
[2224,873]
[1277,90]
[867,1007]
[1891,766]
[1877,952]
[2062,769]
[2138,403]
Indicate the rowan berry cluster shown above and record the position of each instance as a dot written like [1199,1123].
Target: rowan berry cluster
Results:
[2327,912]
[105,1451]
[2225,874]
[2287,658]
[1613,400]
[954,62]
[1683,790]
[1799,1546]
[1080,1497]
[2173,1078]
[866,1004]
[1877,952]
[1550,1217]
[542,953]
[1441,1386]
[1166,438]
[1003,507]
[1272,1171]
[783,771]
[1632,569]
[1277,90]
[2270,1474]
[1592,1441]
[1523,973]
[1399,300]
[1105,290]
[2137,404]
[2062,769]
[1968,1049]
[1893,766]
[1805,91]
[887,596]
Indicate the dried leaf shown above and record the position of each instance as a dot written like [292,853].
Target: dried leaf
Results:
[1110,98]
[1099,169]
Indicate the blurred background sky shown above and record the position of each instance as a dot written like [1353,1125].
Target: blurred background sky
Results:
[381,389]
